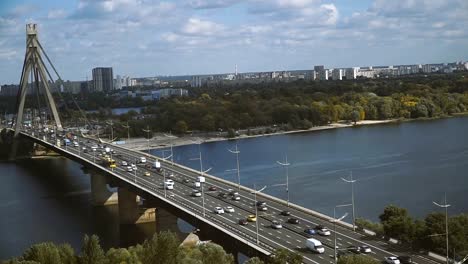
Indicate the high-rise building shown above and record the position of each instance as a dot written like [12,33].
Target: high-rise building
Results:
[337,74]
[351,73]
[321,73]
[103,79]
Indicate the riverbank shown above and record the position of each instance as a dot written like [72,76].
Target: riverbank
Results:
[160,141]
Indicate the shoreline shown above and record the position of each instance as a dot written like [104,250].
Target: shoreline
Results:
[160,141]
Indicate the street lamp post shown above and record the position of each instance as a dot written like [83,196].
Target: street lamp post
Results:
[172,143]
[237,152]
[352,196]
[128,131]
[334,225]
[148,139]
[135,171]
[285,164]
[111,123]
[94,155]
[256,209]
[164,184]
[446,206]
[201,174]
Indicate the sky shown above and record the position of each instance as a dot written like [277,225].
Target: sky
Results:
[143,38]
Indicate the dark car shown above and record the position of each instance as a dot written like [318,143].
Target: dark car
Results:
[285,213]
[309,232]
[405,259]
[261,203]
[186,180]
[318,227]
[212,188]
[243,222]
[353,249]
[293,221]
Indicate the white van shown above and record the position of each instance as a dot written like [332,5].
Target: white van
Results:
[169,184]
[201,179]
[315,245]
[142,160]
[197,184]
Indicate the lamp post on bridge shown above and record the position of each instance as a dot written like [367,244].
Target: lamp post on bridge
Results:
[128,131]
[111,123]
[256,209]
[352,196]
[172,153]
[201,174]
[237,152]
[148,131]
[446,206]
[334,225]
[285,164]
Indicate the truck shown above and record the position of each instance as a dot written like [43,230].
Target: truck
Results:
[201,179]
[157,166]
[315,245]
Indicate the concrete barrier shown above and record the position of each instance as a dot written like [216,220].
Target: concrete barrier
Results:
[436,256]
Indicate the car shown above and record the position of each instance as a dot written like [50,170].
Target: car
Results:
[229,209]
[392,260]
[222,195]
[293,221]
[243,222]
[252,218]
[147,173]
[129,168]
[365,249]
[262,208]
[235,198]
[233,193]
[261,203]
[186,180]
[123,163]
[276,225]
[285,213]
[196,193]
[171,175]
[309,232]
[323,232]
[405,259]
[218,210]
[212,188]
[353,249]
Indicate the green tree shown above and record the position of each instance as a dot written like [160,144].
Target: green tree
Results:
[120,255]
[207,123]
[46,253]
[163,248]
[357,259]
[281,256]
[181,127]
[91,251]
[214,254]
[397,223]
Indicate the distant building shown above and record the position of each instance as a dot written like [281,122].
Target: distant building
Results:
[321,73]
[103,79]
[351,73]
[366,73]
[196,81]
[9,90]
[337,74]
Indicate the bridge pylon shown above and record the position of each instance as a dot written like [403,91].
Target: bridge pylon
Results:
[34,66]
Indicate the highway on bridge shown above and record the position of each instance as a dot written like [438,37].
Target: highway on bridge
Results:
[290,236]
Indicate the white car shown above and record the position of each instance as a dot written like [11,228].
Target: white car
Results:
[229,209]
[392,260]
[129,168]
[196,193]
[134,167]
[169,184]
[123,163]
[365,249]
[236,198]
[276,225]
[262,208]
[219,210]
[324,232]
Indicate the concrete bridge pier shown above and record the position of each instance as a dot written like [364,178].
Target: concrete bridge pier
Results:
[100,195]
[165,221]
[129,211]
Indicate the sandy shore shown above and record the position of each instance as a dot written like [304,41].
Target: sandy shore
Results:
[164,141]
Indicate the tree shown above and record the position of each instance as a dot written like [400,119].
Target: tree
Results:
[207,123]
[215,254]
[46,253]
[91,251]
[181,127]
[120,255]
[398,224]
[281,256]
[163,248]
[357,259]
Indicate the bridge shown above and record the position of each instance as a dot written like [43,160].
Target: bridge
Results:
[256,237]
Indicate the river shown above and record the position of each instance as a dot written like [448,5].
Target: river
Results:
[409,164]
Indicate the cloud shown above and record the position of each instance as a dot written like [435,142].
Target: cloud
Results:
[56,14]
[195,26]
[211,4]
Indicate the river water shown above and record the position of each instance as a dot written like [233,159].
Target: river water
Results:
[409,164]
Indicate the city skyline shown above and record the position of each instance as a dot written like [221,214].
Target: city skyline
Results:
[149,38]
